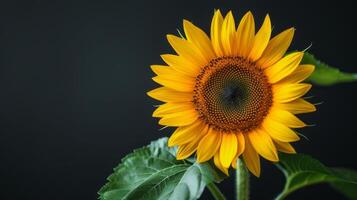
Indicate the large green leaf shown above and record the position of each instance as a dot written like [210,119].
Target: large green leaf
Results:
[153,172]
[302,170]
[325,74]
[347,188]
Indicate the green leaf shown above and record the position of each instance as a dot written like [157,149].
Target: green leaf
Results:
[346,188]
[152,172]
[303,170]
[325,74]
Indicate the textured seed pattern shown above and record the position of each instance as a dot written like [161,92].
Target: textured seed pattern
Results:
[232,94]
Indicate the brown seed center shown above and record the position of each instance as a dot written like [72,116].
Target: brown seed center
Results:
[232,94]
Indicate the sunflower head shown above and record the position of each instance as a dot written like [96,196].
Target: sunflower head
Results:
[233,94]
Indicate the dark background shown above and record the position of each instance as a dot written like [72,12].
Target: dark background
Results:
[74,77]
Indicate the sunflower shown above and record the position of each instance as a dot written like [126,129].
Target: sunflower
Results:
[234,94]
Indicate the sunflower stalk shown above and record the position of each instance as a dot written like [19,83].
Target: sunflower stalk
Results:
[242,181]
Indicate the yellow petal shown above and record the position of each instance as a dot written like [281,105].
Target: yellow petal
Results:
[217,162]
[284,147]
[289,92]
[279,131]
[251,158]
[228,149]
[276,48]
[186,134]
[182,118]
[199,39]
[241,143]
[297,106]
[300,74]
[176,81]
[187,50]
[186,150]
[162,70]
[261,40]
[228,32]
[168,95]
[216,28]
[284,67]
[172,107]
[245,35]
[240,149]
[286,118]
[263,144]
[234,162]
[182,65]
[208,146]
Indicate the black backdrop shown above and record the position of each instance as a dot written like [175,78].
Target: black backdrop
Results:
[73,78]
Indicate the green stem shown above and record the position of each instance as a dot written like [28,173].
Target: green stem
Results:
[285,193]
[242,181]
[281,196]
[216,193]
